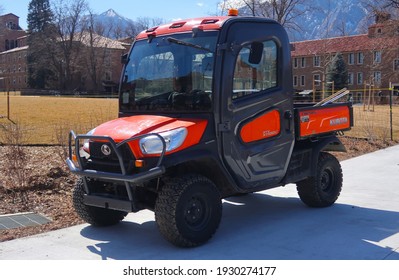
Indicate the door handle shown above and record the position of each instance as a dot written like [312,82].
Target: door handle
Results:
[288,117]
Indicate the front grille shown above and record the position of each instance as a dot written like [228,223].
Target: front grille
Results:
[104,158]
[97,151]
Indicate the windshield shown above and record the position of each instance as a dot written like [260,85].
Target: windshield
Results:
[171,73]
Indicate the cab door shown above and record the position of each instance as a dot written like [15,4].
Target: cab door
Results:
[256,125]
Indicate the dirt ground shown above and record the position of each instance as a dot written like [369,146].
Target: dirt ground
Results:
[48,185]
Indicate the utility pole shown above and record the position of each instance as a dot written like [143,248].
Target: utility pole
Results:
[7,88]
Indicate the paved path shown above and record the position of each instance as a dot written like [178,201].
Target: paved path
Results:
[275,225]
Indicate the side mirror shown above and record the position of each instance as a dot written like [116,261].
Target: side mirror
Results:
[124,58]
[256,52]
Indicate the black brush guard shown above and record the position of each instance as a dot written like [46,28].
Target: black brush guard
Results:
[130,180]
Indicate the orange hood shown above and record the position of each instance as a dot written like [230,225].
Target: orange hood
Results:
[124,128]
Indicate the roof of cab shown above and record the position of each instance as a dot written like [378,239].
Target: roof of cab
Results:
[185,25]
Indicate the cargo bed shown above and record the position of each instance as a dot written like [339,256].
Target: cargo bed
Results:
[312,121]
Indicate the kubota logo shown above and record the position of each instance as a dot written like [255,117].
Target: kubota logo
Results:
[106,150]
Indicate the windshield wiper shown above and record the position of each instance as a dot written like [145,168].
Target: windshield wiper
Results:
[176,41]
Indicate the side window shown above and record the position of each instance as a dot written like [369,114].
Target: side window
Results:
[253,78]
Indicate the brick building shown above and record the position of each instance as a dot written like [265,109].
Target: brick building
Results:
[14,52]
[372,61]
[107,55]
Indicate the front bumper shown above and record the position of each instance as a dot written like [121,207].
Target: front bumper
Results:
[77,166]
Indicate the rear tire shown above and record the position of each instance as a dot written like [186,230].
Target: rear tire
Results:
[323,189]
[188,210]
[94,215]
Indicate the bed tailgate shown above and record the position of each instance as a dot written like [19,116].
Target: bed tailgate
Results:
[317,120]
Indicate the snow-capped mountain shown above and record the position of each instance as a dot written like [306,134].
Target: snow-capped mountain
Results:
[112,23]
[112,17]
[328,18]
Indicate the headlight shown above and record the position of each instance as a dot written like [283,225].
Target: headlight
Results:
[153,145]
[86,141]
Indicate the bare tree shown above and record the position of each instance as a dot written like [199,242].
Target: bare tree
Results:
[92,62]
[95,55]
[144,23]
[286,12]
[132,29]
[391,3]
[70,24]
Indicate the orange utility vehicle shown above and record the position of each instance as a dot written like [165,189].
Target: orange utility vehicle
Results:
[206,112]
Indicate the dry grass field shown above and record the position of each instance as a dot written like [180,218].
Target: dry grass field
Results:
[373,123]
[46,120]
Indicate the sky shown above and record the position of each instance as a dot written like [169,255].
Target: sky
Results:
[168,10]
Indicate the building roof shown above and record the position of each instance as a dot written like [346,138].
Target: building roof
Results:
[15,50]
[344,44]
[9,14]
[100,41]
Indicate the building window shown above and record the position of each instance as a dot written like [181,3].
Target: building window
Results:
[396,64]
[316,61]
[303,62]
[316,79]
[295,81]
[377,56]
[351,58]
[107,61]
[295,62]
[360,78]
[108,76]
[360,58]
[377,77]
[10,25]
[303,80]
[107,57]
[350,78]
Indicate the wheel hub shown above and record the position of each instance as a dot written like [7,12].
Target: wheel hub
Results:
[195,213]
[327,180]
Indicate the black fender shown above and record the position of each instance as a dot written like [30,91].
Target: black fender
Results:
[303,162]
[328,144]
[201,160]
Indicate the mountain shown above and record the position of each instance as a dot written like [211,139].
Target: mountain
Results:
[332,18]
[320,19]
[113,18]
[328,18]
[113,23]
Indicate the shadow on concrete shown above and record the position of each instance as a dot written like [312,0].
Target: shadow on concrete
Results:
[260,226]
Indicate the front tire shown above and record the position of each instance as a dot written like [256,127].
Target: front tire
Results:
[94,215]
[188,210]
[324,188]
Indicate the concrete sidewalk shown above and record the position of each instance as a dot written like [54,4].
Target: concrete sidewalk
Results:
[274,224]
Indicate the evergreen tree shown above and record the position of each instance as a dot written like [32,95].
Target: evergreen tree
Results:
[40,32]
[337,72]
[39,16]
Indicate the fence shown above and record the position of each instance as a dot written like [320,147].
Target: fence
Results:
[47,118]
[379,122]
